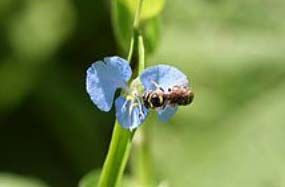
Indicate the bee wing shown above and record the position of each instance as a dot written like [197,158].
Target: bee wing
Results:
[129,115]
[104,78]
[163,75]
[166,113]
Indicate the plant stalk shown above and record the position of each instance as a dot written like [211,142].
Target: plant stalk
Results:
[121,141]
[117,157]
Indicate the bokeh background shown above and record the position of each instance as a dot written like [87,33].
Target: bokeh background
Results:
[233,51]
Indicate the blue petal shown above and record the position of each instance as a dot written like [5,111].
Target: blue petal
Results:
[166,113]
[104,78]
[163,75]
[129,117]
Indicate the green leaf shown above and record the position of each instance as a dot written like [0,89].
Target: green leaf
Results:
[122,20]
[92,178]
[11,180]
[122,23]
[151,33]
[150,9]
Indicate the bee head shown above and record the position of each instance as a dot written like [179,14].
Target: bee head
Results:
[156,100]
[153,99]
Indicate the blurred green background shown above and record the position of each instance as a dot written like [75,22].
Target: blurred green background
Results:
[233,51]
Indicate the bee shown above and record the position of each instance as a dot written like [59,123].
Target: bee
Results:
[160,98]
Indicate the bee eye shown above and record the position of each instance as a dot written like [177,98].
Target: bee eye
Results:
[156,101]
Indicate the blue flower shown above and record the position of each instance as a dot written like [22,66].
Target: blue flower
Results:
[105,77]
[130,112]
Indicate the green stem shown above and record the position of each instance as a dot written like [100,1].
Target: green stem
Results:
[131,49]
[142,160]
[141,65]
[121,141]
[138,14]
[117,157]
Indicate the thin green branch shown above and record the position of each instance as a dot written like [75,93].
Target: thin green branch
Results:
[131,49]
[141,50]
[142,162]
[117,157]
[138,14]
[121,141]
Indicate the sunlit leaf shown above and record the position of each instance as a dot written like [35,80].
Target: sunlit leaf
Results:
[123,18]
[122,24]
[11,180]
[92,178]
[150,8]
[151,32]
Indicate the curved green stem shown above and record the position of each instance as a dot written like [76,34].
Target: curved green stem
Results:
[141,64]
[131,49]
[117,157]
[121,141]
[142,160]
[137,14]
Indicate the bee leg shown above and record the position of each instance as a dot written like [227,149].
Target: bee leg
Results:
[173,105]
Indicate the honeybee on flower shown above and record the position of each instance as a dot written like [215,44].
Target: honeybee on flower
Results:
[164,89]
